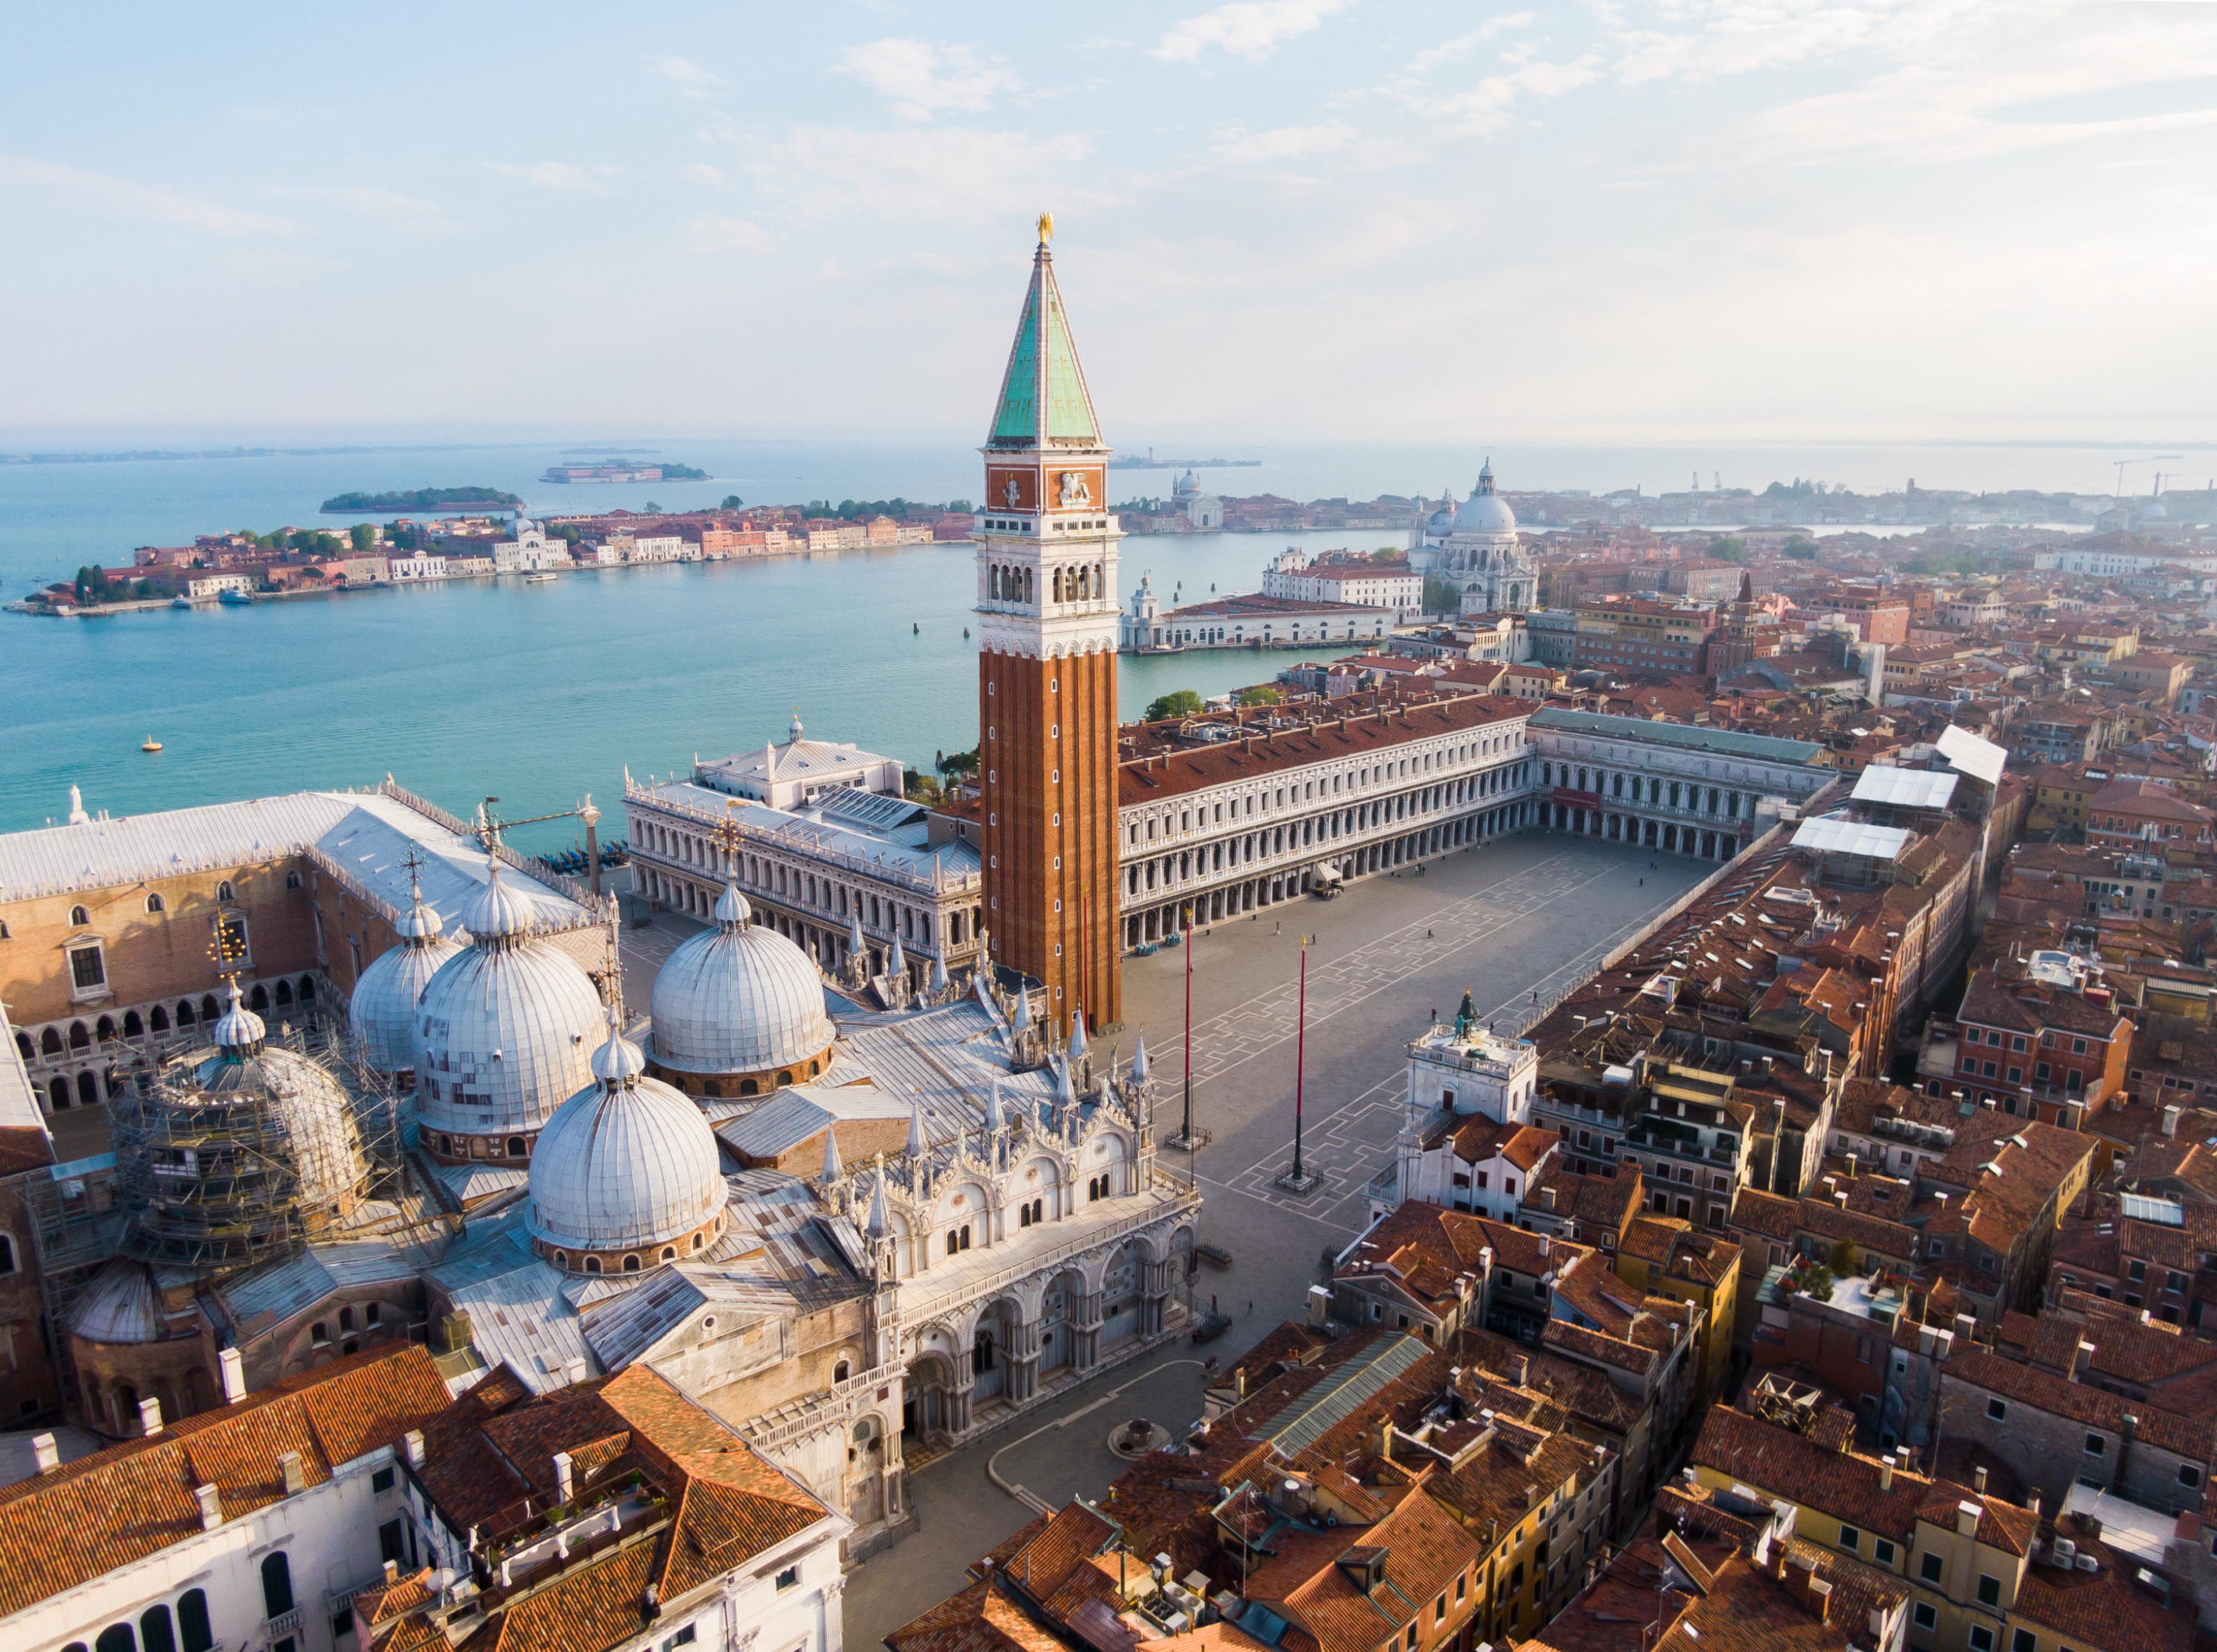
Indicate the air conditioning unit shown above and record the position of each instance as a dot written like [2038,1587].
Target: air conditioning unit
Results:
[2063,1552]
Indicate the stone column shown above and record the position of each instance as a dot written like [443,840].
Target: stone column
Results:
[1022,1360]
[1084,1323]
[1157,1279]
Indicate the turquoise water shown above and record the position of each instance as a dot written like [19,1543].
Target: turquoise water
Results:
[538,695]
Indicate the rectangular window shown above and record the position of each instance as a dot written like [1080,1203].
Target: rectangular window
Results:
[685,1637]
[788,1577]
[2024,1640]
[1997,1410]
[86,970]
[1882,1551]
[1981,1638]
[1850,1539]
[1989,1590]
[1930,1567]
[2096,1445]
[1925,1616]
[381,1481]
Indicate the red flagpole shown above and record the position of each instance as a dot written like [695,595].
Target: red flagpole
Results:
[1299,1051]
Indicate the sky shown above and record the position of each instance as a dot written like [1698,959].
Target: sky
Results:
[1333,220]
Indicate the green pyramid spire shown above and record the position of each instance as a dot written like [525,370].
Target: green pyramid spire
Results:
[1043,400]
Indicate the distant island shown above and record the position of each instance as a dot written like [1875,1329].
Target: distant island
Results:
[1148,461]
[421,499]
[617,471]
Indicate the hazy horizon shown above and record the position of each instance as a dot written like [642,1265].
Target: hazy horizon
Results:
[1905,221]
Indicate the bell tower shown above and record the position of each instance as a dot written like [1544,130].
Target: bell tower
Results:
[1047,671]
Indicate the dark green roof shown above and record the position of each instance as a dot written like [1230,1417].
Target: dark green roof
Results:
[1724,742]
[1044,398]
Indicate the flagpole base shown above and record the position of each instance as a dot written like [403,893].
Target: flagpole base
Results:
[1299,1183]
[1190,1141]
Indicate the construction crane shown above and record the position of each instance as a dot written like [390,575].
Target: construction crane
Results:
[2151,460]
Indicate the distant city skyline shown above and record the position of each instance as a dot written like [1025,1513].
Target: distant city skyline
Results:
[1279,220]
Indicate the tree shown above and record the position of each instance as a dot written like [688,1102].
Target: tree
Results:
[365,538]
[92,585]
[1441,596]
[918,787]
[1184,702]
[1815,1283]
[651,508]
[1728,547]
[1801,548]
[951,763]
[732,502]
[1844,1261]
[1261,695]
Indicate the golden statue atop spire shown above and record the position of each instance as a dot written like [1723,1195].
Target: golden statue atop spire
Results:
[1046,227]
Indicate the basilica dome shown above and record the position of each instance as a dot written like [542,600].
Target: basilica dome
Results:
[738,1010]
[505,1030]
[1485,512]
[626,1174]
[382,1012]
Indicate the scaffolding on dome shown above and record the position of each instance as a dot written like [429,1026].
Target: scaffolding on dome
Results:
[251,1168]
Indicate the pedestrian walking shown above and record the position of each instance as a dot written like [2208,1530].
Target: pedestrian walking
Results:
[1251,1307]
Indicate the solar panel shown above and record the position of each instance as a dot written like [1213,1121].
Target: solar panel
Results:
[875,810]
[1335,1398]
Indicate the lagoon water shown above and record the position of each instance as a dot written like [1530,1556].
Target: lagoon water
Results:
[538,695]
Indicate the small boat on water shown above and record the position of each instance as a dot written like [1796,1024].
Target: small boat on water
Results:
[916,629]
[180,602]
[539,579]
[965,634]
[149,744]
[235,599]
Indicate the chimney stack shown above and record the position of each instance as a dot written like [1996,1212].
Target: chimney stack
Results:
[393,1571]
[232,1367]
[46,1455]
[150,1415]
[296,1479]
[565,1483]
[411,1445]
[1978,1482]
[1885,1473]
[2080,1359]
[211,1508]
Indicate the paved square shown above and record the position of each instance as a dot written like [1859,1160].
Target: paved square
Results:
[1518,921]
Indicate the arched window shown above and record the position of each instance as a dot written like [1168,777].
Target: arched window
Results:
[159,1018]
[80,1037]
[58,1094]
[307,988]
[284,995]
[154,1631]
[208,1011]
[7,1254]
[562,1259]
[981,1354]
[669,1253]
[292,880]
[192,1622]
[155,903]
[259,999]
[24,1047]
[515,1146]
[88,1090]
[133,1027]
[49,1041]
[224,892]
[116,1637]
[276,1583]
[592,1264]
[840,1371]
[78,919]
[105,1029]
[185,1016]
[630,1264]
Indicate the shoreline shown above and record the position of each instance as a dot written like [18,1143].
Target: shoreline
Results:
[150,604]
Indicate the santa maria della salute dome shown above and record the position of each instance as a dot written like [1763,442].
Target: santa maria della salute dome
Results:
[1475,546]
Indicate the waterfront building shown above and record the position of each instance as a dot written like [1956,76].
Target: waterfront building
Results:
[1248,623]
[1251,813]
[1477,550]
[1203,511]
[818,838]
[1344,577]
[1705,792]
[419,564]
[204,587]
[531,551]
[1046,599]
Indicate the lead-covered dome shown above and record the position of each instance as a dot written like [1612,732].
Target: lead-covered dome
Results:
[1485,512]
[505,1030]
[382,1012]
[626,1174]
[740,1003]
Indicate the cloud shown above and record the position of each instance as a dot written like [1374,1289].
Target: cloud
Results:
[702,172]
[687,76]
[121,198]
[711,234]
[1252,28]
[1450,51]
[367,202]
[1490,105]
[924,78]
[566,175]
[951,173]
[1240,147]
